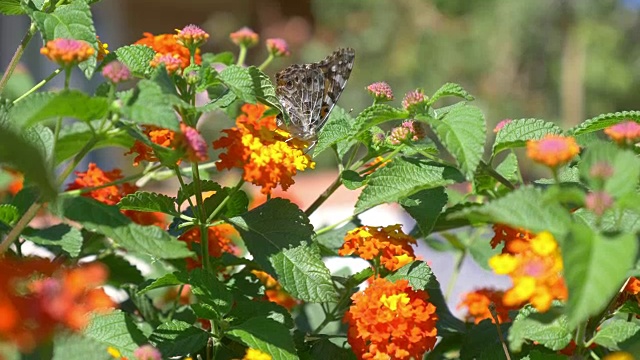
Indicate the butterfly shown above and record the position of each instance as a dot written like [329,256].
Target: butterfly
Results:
[308,92]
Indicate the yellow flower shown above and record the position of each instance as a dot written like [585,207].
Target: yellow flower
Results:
[255,354]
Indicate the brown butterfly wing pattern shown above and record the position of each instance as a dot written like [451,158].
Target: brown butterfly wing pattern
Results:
[309,92]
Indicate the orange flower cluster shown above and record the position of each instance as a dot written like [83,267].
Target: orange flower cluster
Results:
[274,291]
[477,302]
[32,309]
[389,245]
[111,195]
[535,267]
[391,321]
[254,146]
[219,237]
[515,240]
[189,140]
[17,181]
[167,44]
[624,132]
[552,150]
[67,52]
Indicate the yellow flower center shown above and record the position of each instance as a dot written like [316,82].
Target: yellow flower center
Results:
[544,244]
[503,264]
[392,301]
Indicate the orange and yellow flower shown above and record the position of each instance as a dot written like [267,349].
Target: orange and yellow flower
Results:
[388,245]
[33,309]
[274,291]
[164,44]
[188,140]
[552,150]
[67,52]
[220,241]
[535,267]
[95,177]
[254,146]
[478,301]
[391,320]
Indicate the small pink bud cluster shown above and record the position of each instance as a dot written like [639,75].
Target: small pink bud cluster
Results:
[245,37]
[278,47]
[116,72]
[191,37]
[381,91]
[414,99]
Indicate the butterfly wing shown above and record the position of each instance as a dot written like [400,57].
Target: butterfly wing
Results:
[300,90]
[336,69]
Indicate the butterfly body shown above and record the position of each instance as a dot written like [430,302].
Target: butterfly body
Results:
[308,92]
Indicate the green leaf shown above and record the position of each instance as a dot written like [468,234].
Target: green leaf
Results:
[264,90]
[450,89]
[595,269]
[149,201]
[377,114]
[150,106]
[178,338]
[212,294]
[245,309]
[462,131]
[11,7]
[425,207]
[604,121]
[516,133]
[614,332]
[67,103]
[116,329]
[57,238]
[225,57]
[172,279]
[76,135]
[108,220]
[137,58]
[9,214]
[72,21]
[402,178]
[303,274]
[240,81]
[189,190]
[71,346]
[31,158]
[121,271]
[337,128]
[526,208]
[235,205]
[421,277]
[352,180]
[333,239]
[272,227]
[482,342]
[550,329]
[266,335]
[625,165]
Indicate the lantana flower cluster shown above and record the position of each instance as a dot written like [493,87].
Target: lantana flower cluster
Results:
[479,302]
[388,245]
[391,320]
[266,158]
[187,140]
[219,242]
[534,264]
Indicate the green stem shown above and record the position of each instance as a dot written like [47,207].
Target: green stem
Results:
[324,196]
[67,77]
[266,62]
[76,159]
[242,55]
[175,303]
[39,85]
[22,223]
[580,334]
[460,256]
[202,218]
[518,172]
[225,200]
[334,225]
[496,175]
[17,56]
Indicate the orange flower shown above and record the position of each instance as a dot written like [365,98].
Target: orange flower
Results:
[167,44]
[391,321]
[478,302]
[515,240]
[103,49]
[633,286]
[17,182]
[31,310]
[552,150]
[255,354]
[624,132]
[184,298]
[67,52]
[188,140]
[219,237]
[112,194]
[387,244]
[274,291]
[255,147]
[536,272]
[376,164]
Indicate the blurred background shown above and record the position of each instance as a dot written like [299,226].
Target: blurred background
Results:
[559,60]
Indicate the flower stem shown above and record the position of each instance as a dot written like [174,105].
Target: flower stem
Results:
[202,217]
[266,62]
[39,85]
[16,56]
[324,196]
[225,200]
[460,256]
[22,223]
[242,55]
